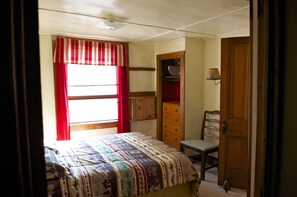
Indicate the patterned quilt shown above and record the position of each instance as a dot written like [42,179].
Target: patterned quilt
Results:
[125,164]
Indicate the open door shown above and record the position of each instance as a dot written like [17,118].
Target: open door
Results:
[234,107]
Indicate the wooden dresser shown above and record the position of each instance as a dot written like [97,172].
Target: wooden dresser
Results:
[171,121]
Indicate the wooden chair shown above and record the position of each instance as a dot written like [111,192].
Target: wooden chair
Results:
[207,146]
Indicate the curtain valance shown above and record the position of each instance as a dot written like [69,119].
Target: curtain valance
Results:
[78,51]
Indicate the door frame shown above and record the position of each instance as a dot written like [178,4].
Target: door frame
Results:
[167,56]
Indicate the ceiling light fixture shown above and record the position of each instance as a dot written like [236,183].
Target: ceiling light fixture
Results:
[109,25]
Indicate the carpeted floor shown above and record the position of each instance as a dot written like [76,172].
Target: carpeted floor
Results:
[210,175]
[210,188]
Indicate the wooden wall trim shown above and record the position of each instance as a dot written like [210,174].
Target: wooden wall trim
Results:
[140,94]
[141,69]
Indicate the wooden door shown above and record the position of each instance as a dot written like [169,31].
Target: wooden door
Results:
[234,106]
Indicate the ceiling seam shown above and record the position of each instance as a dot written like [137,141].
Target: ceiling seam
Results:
[214,17]
[140,24]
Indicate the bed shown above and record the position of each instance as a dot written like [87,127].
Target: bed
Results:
[128,164]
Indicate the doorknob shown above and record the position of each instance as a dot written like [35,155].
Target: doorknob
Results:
[224,127]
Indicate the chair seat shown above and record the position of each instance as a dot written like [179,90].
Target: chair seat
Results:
[201,145]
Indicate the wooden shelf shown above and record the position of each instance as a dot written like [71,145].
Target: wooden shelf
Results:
[141,94]
[173,78]
[141,69]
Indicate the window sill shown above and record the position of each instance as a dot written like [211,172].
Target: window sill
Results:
[91,126]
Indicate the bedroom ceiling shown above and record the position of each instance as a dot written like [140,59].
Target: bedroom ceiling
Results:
[144,21]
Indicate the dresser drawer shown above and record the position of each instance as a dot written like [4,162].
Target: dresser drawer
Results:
[171,127]
[171,124]
[171,108]
[171,136]
[173,144]
[174,119]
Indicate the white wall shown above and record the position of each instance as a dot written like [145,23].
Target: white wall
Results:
[170,46]
[194,80]
[200,55]
[91,133]
[212,59]
[141,55]
[47,87]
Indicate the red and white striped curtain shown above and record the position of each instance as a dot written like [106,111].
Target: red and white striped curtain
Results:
[78,51]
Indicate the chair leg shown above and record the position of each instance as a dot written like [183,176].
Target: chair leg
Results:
[202,166]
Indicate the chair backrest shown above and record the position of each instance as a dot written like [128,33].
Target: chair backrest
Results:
[211,126]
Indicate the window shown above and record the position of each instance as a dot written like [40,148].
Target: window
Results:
[92,96]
